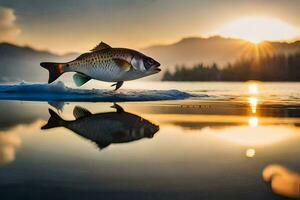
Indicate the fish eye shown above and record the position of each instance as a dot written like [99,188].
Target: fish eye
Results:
[151,61]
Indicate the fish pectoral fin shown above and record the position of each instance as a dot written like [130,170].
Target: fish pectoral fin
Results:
[80,79]
[80,112]
[101,46]
[123,64]
[102,144]
[118,84]
[118,108]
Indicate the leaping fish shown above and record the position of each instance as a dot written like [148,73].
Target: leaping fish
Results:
[105,63]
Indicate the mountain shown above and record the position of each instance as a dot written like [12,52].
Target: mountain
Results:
[195,50]
[22,63]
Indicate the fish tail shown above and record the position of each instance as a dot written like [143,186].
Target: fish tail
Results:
[55,70]
[54,121]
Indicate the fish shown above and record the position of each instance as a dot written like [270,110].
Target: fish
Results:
[105,63]
[107,128]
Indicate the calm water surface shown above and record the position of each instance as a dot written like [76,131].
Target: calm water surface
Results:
[240,141]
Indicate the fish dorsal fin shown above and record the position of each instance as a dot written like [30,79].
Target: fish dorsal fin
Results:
[80,112]
[80,79]
[101,46]
[123,64]
[82,56]
[118,108]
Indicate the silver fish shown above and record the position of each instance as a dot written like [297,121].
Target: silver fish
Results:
[105,63]
[105,128]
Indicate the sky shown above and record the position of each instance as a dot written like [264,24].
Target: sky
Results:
[63,26]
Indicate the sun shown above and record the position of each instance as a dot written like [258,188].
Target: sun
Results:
[258,28]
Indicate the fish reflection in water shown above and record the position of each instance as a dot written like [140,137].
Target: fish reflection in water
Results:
[105,128]
[283,181]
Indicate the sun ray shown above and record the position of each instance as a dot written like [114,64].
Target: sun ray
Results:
[259,28]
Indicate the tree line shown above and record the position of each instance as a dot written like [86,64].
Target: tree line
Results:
[277,67]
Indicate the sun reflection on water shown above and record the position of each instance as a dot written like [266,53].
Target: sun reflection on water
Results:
[250,153]
[253,88]
[253,104]
[253,121]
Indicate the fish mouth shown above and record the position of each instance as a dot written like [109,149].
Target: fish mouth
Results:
[156,67]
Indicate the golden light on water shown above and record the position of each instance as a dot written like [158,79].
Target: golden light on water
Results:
[259,28]
[253,88]
[253,91]
[254,134]
[253,104]
[253,121]
[250,153]
[260,136]
[283,181]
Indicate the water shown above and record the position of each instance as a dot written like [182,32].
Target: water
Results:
[218,140]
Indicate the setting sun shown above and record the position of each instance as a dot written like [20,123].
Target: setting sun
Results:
[258,29]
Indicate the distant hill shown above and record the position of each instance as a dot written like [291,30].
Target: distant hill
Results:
[22,63]
[195,50]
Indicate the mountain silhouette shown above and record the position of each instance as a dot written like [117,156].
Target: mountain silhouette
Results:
[216,49]
[22,63]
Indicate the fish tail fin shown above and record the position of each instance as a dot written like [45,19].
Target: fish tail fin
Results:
[55,70]
[54,121]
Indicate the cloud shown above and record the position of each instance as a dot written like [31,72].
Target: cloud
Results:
[11,139]
[8,27]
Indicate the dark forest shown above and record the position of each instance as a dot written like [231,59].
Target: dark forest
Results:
[278,67]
